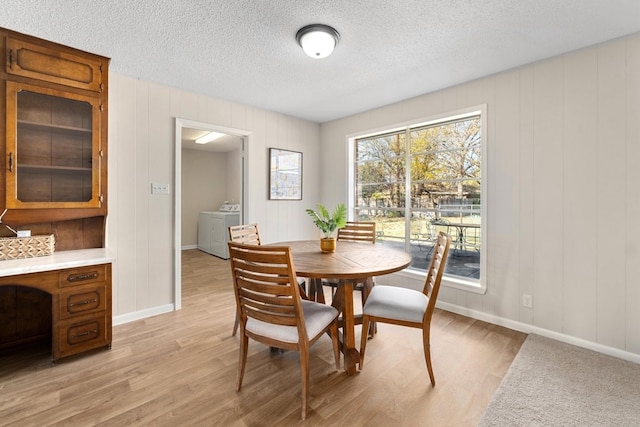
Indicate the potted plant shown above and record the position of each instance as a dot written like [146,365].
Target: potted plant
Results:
[328,223]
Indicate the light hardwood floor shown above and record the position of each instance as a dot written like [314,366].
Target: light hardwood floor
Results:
[179,369]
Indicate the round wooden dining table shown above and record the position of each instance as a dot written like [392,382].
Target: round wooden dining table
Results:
[351,263]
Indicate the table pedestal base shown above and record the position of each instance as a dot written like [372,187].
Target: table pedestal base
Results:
[343,302]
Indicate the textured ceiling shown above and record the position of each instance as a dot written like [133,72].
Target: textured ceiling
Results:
[245,51]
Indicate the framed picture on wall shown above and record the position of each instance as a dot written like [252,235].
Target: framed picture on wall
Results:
[285,174]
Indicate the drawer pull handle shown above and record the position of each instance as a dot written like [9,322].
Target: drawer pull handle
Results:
[82,276]
[87,301]
[84,334]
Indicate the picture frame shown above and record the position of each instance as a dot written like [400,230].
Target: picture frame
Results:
[285,174]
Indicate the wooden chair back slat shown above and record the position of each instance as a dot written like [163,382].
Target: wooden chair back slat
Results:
[245,233]
[361,231]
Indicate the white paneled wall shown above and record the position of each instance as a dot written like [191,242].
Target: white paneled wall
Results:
[611,192]
[580,206]
[141,150]
[548,192]
[563,223]
[632,201]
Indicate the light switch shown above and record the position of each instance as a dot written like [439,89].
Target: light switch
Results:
[159,188]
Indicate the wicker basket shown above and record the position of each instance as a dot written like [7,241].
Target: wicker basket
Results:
[26,247]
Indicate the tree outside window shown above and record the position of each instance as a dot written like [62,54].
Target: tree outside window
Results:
[420,180]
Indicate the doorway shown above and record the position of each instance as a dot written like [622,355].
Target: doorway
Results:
[183,127]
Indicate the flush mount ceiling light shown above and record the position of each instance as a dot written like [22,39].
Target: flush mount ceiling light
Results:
[211,136]
[317,40]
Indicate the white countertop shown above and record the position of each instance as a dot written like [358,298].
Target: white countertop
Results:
[56,261]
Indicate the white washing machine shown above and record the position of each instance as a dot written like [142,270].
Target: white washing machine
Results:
[213,229]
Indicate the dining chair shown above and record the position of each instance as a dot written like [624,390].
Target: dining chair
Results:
[245,233]
[360,231]
[408,307]
[271,310]
[249,234]
[356,231]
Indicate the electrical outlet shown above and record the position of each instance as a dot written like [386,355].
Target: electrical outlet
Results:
[527,301]
[159,188]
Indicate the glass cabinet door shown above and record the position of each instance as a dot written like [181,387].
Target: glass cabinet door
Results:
[52,147]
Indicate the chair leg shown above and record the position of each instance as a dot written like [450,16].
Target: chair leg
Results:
[244,344]
[363,339]
[366,290]
[235,325]
[373,329]
[427,355]
[304,366]
[303,290]
[336,345]
[316,292]
[320,292]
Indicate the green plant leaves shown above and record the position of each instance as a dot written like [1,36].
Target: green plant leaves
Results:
[327,222]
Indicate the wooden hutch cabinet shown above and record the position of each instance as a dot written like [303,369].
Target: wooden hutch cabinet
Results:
[54,134]
[53,131]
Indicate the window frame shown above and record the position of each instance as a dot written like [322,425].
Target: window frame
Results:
[472,285]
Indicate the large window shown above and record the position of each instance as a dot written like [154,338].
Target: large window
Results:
[422,179]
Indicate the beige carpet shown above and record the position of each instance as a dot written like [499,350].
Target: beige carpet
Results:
[555,384]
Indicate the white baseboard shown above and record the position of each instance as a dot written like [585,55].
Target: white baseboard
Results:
[142,314]
[528,329]
[187,247]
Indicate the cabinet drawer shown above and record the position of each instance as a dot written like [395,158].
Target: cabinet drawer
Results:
[55,66]
[81,335]
[74,302]
[83,275]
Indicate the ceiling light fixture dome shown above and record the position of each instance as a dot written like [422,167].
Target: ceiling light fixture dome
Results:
[317,40]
